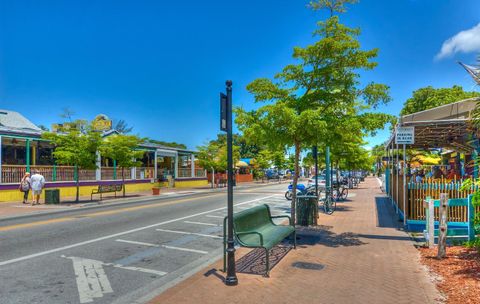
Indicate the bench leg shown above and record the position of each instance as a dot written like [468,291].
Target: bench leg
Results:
[267,261]
[295,239]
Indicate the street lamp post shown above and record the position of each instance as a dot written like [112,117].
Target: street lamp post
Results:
[231,279]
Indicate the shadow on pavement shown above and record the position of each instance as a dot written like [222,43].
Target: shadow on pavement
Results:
[385,237]
[254,262]
[386,217]
[322,235]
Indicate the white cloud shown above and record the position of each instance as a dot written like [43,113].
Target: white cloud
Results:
[464,42]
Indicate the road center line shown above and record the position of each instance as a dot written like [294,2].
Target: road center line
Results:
[106,237]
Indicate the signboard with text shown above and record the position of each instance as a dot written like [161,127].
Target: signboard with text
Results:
[405,136]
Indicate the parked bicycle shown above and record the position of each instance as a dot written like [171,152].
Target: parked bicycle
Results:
[329,202]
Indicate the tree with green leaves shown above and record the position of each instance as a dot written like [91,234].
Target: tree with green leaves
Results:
[430,97]
[312,100]
[123,150]
[166,143]
[75,148]
[213,156]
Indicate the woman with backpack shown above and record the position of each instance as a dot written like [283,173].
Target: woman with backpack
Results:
[25,185]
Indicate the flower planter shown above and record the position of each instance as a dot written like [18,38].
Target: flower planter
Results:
[156,190]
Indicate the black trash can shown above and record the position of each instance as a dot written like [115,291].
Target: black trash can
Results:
[52,196]
[306,210]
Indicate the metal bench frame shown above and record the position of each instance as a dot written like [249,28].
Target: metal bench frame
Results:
[236,234]
[106,189]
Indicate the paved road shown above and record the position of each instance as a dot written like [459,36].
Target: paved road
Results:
[117,254]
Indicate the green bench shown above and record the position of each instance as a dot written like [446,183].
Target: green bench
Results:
[106,189]
[254,228]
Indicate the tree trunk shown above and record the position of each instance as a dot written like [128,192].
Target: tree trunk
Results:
[295,181]
[123,180]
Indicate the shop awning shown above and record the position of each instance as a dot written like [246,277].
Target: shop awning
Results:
[447,126]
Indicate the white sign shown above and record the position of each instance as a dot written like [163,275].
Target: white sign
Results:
[405,136]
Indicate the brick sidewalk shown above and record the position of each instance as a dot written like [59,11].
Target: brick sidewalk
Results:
[366,259]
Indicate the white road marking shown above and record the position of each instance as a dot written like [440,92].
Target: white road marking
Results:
[200,223]
[190,233]
[157,272]
[136,243]
[106,237]
[185,249]
[92,282]
[215,216]
[164,246]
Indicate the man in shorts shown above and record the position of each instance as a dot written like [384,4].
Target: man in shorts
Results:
[37,183]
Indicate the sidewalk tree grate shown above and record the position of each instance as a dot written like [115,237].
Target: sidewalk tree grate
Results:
[309,266]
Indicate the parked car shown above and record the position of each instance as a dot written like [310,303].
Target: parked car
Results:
[271,174]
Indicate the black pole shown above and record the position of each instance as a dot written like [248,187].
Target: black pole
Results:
[231,279]
[315,155]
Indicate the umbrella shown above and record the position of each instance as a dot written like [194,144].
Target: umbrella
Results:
[241,164]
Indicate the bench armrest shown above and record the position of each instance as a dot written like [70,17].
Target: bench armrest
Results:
[283,216]
[251,232]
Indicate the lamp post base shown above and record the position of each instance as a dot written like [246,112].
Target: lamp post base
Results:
[231,281]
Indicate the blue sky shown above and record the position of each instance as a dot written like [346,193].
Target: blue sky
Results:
[161,64]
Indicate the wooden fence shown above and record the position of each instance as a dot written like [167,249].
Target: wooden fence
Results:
[417,193]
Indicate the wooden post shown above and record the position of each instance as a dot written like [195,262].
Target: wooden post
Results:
[471,217]
[431,222]
[442,229]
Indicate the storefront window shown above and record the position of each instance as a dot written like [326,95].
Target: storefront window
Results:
[165,167]
[14,151]
[148,160]
[184,165]
[41,153]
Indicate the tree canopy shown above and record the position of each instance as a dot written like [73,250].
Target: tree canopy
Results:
[430,97]
[75,148]
[318,98]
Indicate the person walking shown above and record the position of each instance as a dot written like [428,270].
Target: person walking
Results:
[25,186]
[37,183]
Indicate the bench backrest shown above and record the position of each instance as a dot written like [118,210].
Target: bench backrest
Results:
[109,188]
[252,219]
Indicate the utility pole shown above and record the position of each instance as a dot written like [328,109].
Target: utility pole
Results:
[226,125]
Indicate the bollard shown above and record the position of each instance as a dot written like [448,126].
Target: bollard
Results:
[442,229]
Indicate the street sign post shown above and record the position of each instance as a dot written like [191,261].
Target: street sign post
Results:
[226,125]
[223,112]
[405,136]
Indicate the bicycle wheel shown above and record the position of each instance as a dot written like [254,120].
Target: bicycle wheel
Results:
[344,194]
[288,195]
[329,205]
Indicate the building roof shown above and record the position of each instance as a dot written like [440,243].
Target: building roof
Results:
[445,126]
[14,122]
